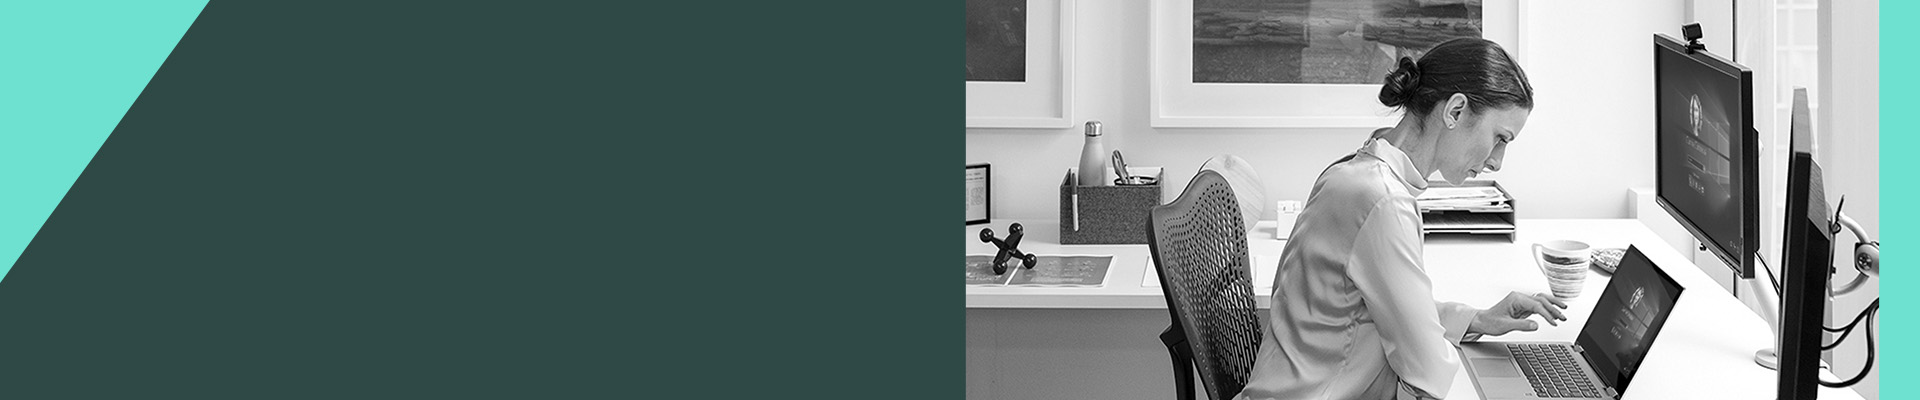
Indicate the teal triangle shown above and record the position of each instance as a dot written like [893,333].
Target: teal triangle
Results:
[72,69]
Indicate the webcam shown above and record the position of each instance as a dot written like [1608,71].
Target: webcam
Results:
[1691,32]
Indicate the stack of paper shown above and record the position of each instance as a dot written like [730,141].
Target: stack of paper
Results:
[1469,198]
[1479,207]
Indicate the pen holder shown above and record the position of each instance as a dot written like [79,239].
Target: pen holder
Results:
[1105,214]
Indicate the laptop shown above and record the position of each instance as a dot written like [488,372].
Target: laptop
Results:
[1601,361]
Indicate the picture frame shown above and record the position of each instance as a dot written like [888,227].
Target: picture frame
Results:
[1175,101]
[1045,98]
[979,193]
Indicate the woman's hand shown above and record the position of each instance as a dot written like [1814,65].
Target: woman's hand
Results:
[1511,314]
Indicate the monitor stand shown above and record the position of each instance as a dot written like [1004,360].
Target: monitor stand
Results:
[1768,303]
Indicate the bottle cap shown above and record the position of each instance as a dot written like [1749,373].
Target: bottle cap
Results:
[1093,128]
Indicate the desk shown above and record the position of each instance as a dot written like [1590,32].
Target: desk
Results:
[1101,342]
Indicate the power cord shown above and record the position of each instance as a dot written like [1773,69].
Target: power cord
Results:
[1872,313]
[1768,269]
[1849,328]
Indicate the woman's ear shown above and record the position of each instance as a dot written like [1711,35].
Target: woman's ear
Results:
[1455,110]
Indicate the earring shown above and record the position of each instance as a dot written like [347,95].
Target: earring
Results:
[1450,124]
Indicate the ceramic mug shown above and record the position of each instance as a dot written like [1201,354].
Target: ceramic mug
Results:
[1565,263]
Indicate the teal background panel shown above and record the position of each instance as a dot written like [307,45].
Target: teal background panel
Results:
[1898,225]
[68,71]
[510,200]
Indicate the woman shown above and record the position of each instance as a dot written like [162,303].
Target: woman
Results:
[1353,314]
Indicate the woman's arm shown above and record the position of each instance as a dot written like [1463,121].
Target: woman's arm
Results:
[1386,266]
[1458,318]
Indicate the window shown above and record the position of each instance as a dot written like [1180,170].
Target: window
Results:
[1779,41]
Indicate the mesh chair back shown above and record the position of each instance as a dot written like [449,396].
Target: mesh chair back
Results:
[1199,249]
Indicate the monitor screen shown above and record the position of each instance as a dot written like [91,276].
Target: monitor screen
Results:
[1706,164]
[1806,258]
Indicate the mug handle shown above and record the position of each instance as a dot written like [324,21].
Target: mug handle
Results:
[1537,263]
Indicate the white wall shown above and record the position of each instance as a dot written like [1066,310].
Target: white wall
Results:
[1589,139]
[1849,149]
[1716,24]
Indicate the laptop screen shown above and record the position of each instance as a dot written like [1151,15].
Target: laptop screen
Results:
[1628,316]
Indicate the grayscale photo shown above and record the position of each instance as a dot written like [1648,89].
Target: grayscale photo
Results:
[1319,41]
[996,40]
[1436,199]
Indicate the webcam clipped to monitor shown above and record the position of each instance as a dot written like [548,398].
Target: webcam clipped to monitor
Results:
[1706,151]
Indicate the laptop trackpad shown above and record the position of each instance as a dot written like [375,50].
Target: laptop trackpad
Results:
[1494,367]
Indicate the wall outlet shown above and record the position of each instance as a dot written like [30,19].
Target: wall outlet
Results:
[1285,213]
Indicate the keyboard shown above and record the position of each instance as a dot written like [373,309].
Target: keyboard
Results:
[1553,371]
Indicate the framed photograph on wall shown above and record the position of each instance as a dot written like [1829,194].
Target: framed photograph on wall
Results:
[1020,63]
[979,193]
[1300,64]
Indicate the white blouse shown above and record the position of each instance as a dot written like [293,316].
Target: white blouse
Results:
[1353,312]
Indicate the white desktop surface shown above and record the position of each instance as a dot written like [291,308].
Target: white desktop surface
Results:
[1705,351]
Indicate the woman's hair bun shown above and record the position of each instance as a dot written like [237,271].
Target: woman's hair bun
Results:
[1474,67]
[1401,83]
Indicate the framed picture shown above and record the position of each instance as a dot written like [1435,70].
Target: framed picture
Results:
[979,193]
[1293,64]
[1020,63]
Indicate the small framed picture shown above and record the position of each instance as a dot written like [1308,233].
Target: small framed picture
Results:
[979,193]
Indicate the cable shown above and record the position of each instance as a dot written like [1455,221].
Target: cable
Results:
[1868,367]
[1870,351]
[1856,319]
[1777,290]
[1871,313]
[1844,331]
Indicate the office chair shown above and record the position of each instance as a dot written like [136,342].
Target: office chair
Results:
[1199,248]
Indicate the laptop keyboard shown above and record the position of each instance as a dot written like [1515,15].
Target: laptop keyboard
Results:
[1553,371]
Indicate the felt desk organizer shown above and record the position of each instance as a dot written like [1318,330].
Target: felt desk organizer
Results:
[1106,214]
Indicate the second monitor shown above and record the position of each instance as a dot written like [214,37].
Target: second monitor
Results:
[1807,258]
[1706,161]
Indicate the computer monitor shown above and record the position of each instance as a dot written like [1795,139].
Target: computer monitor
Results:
[1807,258]
[1706,166]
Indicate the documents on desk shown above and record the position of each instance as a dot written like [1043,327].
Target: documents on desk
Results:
[1468,198]
[1262,273]
[1051,271]
[1472,207]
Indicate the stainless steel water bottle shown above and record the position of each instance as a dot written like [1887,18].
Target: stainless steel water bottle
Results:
[1093,158]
